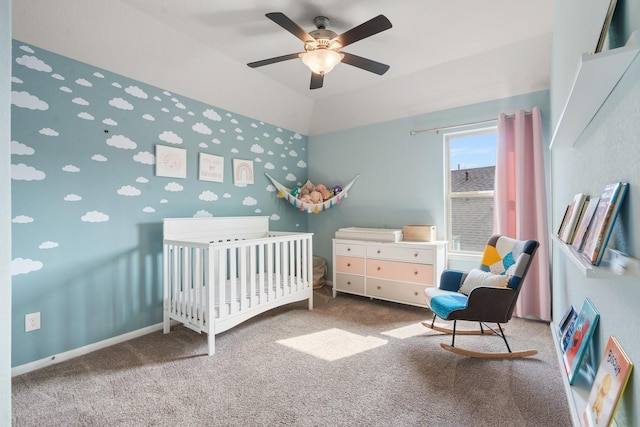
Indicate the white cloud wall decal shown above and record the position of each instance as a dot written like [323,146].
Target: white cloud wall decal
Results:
[34,63]
[173,186]
[211,115]
[129,190]
[26,100]
[201,128]
[22,172]
[94,216]
[136,91]
[48,245]
[20,149]
[22,219]
[121,141]
[84,82]
[170,137]
[120,103]
[24,266]
[48,132]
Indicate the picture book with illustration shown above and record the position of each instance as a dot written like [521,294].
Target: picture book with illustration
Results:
[609,384]
[580,339]
[564,321]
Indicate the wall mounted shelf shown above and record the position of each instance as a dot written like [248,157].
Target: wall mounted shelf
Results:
[596,77]
[614,264]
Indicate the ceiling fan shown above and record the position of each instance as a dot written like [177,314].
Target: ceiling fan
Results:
[322,46]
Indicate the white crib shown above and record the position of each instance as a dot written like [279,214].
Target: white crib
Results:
[219,272]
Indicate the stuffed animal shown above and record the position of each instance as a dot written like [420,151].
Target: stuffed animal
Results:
[306,199]
[322,189]
[316,197]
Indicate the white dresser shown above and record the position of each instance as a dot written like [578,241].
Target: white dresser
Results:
[392,271]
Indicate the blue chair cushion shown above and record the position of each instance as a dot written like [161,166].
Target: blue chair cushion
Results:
[445,303]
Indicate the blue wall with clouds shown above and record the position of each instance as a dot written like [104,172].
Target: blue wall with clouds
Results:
[87,205]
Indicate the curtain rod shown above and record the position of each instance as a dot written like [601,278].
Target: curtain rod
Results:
[439,128]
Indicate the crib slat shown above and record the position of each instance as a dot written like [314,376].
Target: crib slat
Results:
[242,290]
[220,283]
[263,295]
[270,270]
[252,275]
[278,279]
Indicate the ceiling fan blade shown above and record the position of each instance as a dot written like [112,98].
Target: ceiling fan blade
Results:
[273,60]
[286,23]
[316,81]
[364,30]
[364,63]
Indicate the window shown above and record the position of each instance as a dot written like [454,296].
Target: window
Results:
[471,164]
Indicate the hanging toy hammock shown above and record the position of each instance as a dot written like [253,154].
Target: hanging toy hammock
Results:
[288,194]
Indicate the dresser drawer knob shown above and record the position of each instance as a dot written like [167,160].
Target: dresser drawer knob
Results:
[348,249]
[415,293]
[415,272]
[379,251]
[379,288]
[379,268]
[348,264]
[415,255]
[348,283]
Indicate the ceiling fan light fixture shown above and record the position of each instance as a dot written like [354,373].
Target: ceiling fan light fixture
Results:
[321,61]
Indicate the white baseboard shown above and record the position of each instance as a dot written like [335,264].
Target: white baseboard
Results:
[57,358]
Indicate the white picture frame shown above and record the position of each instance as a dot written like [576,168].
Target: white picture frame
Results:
[211,168]
[171,161]
[242,172]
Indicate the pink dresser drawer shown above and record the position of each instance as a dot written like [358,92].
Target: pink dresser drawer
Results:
[400,271]
[347,264]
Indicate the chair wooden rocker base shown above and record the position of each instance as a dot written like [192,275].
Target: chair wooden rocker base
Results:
[485,295]
[486,330]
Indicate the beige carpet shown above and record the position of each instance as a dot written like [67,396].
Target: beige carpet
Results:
[349,362]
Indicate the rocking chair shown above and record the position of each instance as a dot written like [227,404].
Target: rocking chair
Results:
[485,295]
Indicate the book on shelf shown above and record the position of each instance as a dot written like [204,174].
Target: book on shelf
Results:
[609,384]
[567,333]
[580,339]
[564,321]
[563,223]
[573,217]
[603,221]
[585,223]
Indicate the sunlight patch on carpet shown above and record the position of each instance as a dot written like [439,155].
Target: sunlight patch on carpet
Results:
[408,331]
[332,344]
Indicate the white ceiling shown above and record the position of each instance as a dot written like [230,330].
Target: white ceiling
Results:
[442,53]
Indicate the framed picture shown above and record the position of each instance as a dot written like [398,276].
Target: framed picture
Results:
[171,161]
[211,168]
[580,340]
[605,27]
[242,172]
[611,379]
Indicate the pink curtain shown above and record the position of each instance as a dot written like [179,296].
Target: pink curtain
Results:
[520,203]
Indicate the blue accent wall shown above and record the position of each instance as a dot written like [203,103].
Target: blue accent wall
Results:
[5,213]
[606,152]
[87,205]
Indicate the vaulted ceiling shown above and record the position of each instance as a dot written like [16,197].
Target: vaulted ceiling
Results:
[442,54]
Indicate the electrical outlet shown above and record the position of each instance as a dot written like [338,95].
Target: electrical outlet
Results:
[32,322]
